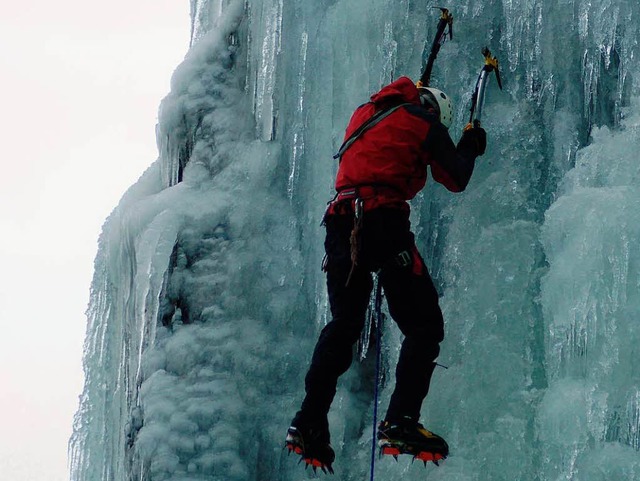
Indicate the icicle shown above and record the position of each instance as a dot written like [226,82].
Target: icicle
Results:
[367,332]
[265,108]
[299,121]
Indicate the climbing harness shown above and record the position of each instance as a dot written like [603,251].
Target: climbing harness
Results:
[477,100]
[357,200]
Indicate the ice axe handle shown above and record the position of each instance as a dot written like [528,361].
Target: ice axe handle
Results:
[446,20]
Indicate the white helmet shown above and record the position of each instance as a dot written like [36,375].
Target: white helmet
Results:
[439,101]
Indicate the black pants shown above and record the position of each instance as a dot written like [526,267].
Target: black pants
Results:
[413,304]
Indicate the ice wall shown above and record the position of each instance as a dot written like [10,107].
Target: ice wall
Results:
[590,413]
[207,294]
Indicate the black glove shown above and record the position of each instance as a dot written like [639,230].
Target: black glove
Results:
[473,141]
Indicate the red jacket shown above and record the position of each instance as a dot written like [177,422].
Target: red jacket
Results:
[395,152]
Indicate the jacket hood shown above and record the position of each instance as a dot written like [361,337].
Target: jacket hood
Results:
[403,88]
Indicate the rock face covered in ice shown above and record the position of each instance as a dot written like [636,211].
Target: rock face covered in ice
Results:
[208,296]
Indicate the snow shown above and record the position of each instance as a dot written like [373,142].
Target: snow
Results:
[208,295]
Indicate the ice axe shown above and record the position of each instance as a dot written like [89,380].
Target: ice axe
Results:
[446,20]
[477,100]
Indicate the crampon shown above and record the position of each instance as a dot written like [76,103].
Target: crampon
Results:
[413,439]
[318,455]
[396,449]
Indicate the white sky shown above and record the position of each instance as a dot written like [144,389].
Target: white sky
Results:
[80,85]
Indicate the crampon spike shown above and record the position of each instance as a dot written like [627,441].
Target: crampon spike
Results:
[425,457]
[315,464]
[293,448]
[390,450]
[308,461]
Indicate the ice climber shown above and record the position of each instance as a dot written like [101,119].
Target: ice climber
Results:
[388,145]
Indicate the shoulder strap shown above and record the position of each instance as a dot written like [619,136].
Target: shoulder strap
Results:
[372,121]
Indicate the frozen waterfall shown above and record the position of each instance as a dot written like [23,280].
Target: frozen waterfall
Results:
[208,295]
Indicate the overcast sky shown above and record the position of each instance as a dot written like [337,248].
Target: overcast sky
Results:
[80,85]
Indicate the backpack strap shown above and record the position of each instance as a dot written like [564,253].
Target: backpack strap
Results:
[371,121]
